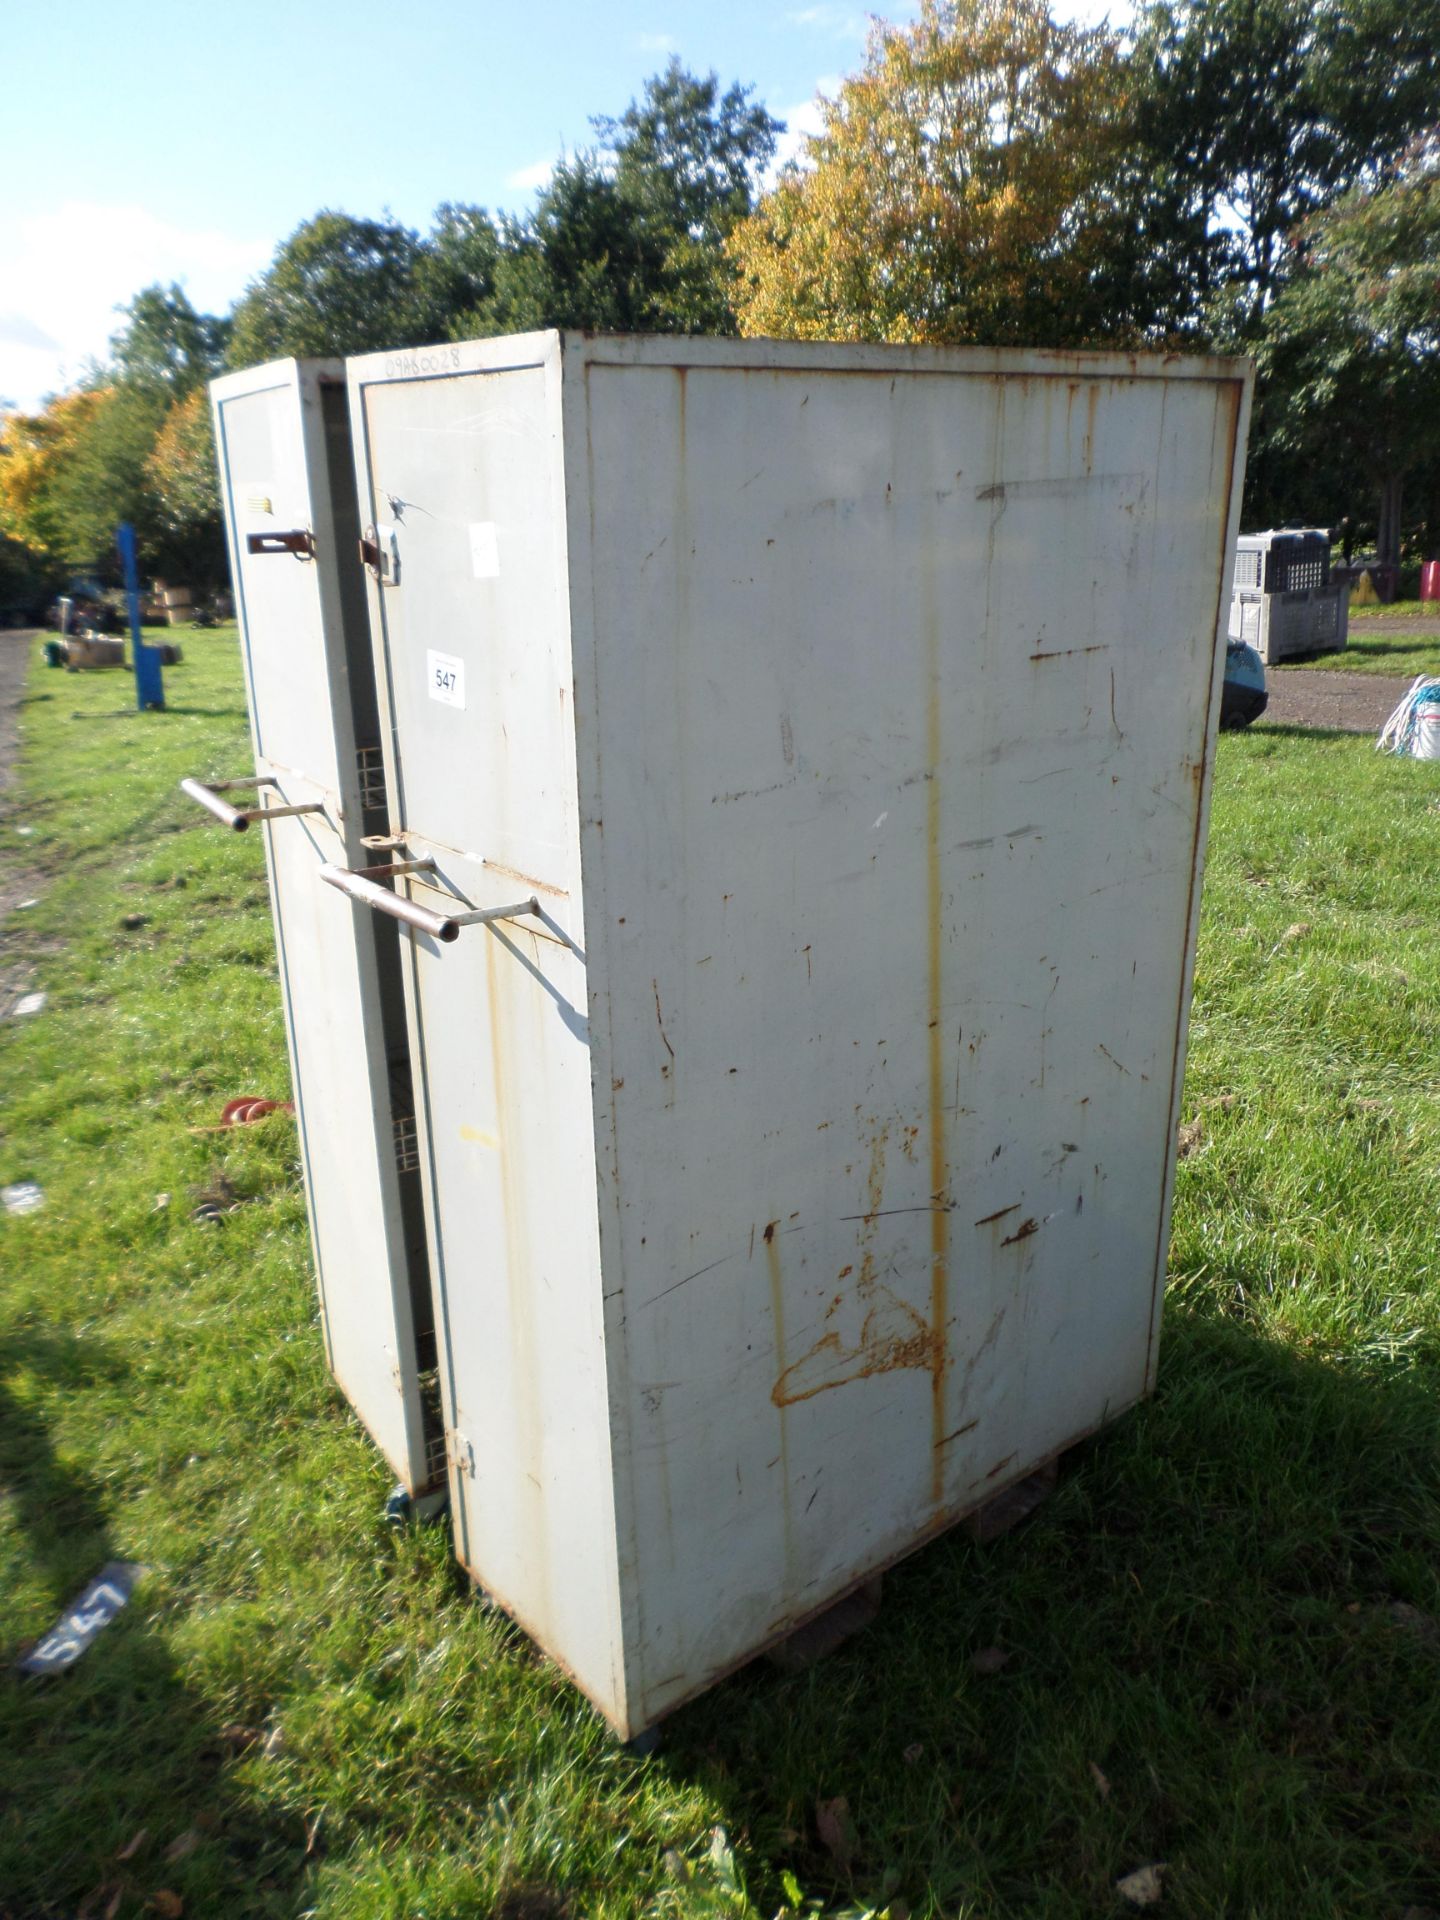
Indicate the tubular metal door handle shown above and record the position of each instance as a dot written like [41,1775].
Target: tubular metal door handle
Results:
[238,818]
[361,884]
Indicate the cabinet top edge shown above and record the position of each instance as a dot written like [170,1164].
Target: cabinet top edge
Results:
[676,352]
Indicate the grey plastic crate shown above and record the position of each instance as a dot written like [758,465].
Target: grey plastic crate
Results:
[1283,602]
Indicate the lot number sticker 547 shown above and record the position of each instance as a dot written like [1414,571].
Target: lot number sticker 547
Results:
[445,679]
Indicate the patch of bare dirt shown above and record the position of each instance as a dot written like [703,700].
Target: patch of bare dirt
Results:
[16,884]
[1346,702]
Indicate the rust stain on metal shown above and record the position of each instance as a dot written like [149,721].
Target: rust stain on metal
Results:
[777,1316]
[969,1427]
[528,879]
[986,1219]
[892,1335]
[660,1021]
[1062,653]
[935,1343]
[999,1466]
[1022,1232]
[906,1342]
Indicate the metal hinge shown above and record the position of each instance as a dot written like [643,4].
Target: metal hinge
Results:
[380,554]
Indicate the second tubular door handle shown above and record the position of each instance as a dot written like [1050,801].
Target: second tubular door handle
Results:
[238,818]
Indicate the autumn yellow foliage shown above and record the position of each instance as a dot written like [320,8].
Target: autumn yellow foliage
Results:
[962,188]
[181,467]
[35,450]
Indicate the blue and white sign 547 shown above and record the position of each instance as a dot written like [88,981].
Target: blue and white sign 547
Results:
[92,1611]
[445,679]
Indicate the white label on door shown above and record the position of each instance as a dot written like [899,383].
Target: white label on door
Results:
[484,550]
[445,679]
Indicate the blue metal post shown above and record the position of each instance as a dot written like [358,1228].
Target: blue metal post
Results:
[149,685]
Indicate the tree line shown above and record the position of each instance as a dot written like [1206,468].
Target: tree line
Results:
[1248,176]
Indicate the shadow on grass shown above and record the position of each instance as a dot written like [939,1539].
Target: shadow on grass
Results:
[116,1746]
[1221,1650]
[1285,730]
[1414,640]
[51,1501]
[171,707]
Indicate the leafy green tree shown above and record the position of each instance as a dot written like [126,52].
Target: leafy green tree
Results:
[1253,114]
[70,474]
[34,449]
[336,286]
[165,346]
[632,237]
[29,580]
[584,258]
[456,267]
[690,154]
[963,188]
[1350,349]
[688,159]
[187,536]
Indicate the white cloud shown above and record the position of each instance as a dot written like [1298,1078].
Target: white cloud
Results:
[73,266]
[18,331]
[801,121]
[531,179]
[656,42]
[840,23]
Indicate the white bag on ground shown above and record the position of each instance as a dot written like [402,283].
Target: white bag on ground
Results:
[1414,726]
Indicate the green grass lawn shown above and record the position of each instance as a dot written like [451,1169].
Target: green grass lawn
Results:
[1223,1630]
[1396,609]
[1416,650]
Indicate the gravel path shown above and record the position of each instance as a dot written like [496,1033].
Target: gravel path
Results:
[14,658]
[15,884]
[1349,702]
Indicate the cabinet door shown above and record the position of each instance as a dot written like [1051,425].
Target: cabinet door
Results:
[460,480]
[283,441]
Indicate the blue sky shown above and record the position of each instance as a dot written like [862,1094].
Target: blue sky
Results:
[184,141]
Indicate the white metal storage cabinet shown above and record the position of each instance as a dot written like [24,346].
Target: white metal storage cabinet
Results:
[834,726]
[283,441]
